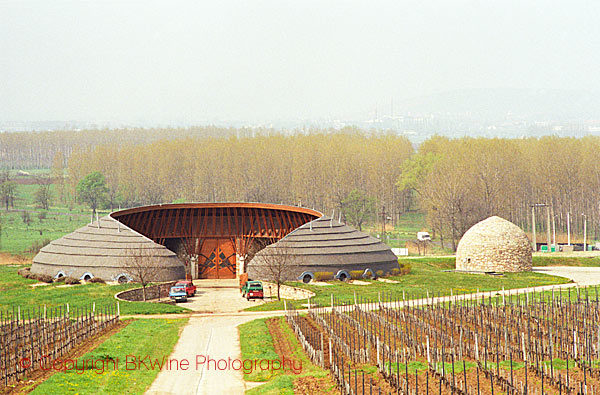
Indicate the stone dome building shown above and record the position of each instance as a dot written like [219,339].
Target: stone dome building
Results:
[494,245]
[325,245]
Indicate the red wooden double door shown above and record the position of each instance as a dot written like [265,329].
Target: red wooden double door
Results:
[217,259]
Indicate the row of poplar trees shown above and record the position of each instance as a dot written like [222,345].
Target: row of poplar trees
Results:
[455,182]
[317,170]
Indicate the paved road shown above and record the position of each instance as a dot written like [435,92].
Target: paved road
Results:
[215,335]
[203,337]
[211,332]
[579,274]
[218,296]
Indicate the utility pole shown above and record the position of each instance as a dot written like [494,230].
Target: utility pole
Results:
[584,232]
[568,228]
[533,206]
[533,227]
[383,218]
[548,227]
[553,227]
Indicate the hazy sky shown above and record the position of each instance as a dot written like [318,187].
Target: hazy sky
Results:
[263,60]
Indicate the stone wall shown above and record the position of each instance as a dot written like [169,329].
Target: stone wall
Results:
[286,292]
[494,245]
[152,292]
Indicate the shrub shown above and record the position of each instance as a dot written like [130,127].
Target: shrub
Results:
[404,268]
[24,272]
[42,277]
[37,245]
[26,217]
[72,281]
[395,271]
[97,280]
[368,273]
[60,279]
[323,276]
[356,274]
[379,273]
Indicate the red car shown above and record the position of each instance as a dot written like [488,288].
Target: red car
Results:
[190,288]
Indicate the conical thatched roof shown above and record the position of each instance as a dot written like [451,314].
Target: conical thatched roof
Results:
[104,251]
[326,245]
[494,245]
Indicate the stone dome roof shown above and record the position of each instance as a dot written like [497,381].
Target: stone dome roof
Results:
[494,245]
[326,245]
[101,250]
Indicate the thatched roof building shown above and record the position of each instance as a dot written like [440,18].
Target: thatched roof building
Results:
[105,250]
[494,245]
[325,246]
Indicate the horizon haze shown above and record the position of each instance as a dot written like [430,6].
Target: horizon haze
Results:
[246,63]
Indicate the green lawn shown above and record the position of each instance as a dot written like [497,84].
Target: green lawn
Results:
[565,261]
[427,274]
[155,338]
[256,343]
[16,291]
[17,236]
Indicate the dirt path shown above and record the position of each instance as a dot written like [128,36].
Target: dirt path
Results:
[8,259]
[206,336]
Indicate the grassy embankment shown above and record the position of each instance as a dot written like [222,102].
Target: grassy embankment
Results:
[155,338]
[256,342]
[427,274]
[17,291]
[18,235]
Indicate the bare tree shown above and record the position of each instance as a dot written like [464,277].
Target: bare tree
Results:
[142,266]
[276,262]
[43,194]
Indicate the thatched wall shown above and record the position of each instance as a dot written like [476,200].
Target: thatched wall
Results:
[325,246]
[105,250]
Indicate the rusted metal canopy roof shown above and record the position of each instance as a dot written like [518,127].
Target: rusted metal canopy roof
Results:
[215,220]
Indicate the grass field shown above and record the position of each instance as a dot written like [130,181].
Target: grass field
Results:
[427,274]
[256,343]
[17,236]
[405,230]
[566,261]
[17,291]
[154,338]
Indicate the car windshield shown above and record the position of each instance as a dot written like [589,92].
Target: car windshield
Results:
[181,284]
[178,289]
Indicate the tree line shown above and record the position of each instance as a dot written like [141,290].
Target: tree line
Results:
[343,171]
[459,182]
[369,176]
[37,150]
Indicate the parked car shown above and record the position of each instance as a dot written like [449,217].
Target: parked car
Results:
[423,236]
[252,290]
[178,293]
[190,288]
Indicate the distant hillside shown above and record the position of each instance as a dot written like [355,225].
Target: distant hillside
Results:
[497,104]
